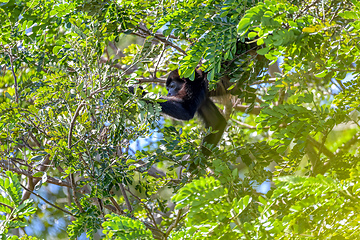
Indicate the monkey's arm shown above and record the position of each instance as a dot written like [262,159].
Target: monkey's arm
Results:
[214,119]
[175,108]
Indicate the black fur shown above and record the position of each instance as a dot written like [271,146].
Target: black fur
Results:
[191,98]
[188,99]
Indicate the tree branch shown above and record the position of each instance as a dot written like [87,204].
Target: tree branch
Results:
[117,206]
[125,197]
[321,168]
[73,187]
[174,224]
[33,181]
[51,180]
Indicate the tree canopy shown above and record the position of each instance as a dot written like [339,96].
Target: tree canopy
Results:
[81,155]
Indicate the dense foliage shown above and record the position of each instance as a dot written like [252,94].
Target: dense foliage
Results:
[80,154]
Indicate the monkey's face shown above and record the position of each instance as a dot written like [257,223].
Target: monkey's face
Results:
[174,87]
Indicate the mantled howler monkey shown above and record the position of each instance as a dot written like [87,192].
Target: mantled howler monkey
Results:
[186,97]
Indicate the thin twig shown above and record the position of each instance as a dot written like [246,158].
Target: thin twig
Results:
[115,85]
[3,204]
[146,208]
[15,80]
[243,124]
[102,89]
[57,207]
[13,73]
[270,80]
[256,110]
[307,7]
[170,36]
[336,12]
[73,122]
[345,147]
[158,62]
[167,43]
[322,149]
[151,80]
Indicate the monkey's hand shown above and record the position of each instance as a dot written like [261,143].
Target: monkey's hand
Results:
[131,90]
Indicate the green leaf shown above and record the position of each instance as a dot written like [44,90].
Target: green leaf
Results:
[37,158]
[56,49]
[120,227]
[235,173]
[251,35]
[8,96]
[309,29]
[80,87]
[309,97]
[38,174]
[4,209]
[349,15]
[263,51]
[211,74]
[356,188]
[322,74]
[260,41]
[243,24]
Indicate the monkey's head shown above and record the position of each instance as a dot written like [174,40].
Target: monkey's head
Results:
[174,83]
